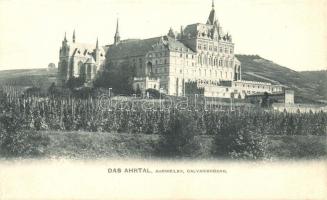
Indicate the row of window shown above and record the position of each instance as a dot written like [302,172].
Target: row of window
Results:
[206,47]
[254,86]
[204,60]
[206,72]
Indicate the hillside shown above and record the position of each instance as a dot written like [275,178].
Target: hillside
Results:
[309,86]
[27,77]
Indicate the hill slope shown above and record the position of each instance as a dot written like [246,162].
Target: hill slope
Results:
[27,77]
[309,86]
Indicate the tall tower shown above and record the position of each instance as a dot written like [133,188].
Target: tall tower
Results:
[117,37]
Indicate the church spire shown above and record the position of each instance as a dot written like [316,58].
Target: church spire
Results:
[213,4]
[97,44]
[74,37]
[117,36]
[65,38]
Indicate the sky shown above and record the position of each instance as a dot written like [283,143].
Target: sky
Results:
[292,33]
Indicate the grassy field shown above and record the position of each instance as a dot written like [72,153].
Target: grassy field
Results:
[102,145]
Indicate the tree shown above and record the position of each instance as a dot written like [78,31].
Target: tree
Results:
[119,77]
[192,88]
[265,100]
[153,93]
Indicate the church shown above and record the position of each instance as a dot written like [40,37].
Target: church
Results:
[200,53]
[79,60]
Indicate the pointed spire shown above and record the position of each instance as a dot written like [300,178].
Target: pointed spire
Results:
[117,36]
[117,26]
[212,16]
[65,38]
[74,37]
[97,44]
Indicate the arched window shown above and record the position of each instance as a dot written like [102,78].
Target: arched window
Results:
[88,72]
[149,69]
[64,68]
[81,69]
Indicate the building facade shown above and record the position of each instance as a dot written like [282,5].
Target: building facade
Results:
[200,52]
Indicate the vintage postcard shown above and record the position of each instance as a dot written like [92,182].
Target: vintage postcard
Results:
[163,99]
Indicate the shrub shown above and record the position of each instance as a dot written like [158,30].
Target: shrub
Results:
[240,141]
[179,139]
[153,93]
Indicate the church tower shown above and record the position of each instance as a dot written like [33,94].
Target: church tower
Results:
[117,36]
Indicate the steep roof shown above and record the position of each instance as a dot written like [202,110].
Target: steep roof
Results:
[82,48]
[212,17]
[131,48]
[176,45]
[138,47]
